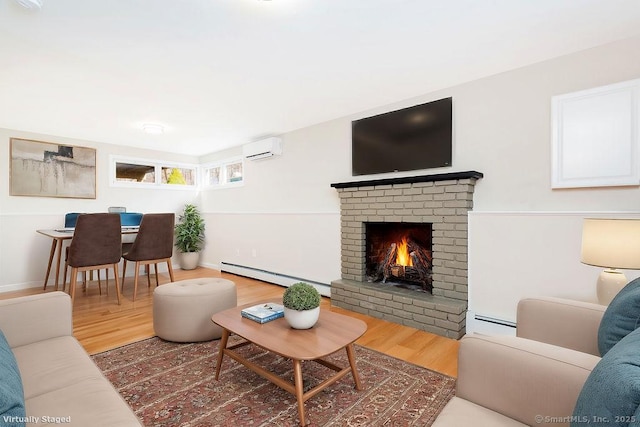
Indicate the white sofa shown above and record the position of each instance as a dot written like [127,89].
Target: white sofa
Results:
[61,383]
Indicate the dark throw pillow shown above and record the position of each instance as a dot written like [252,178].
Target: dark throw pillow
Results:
[12,410]
[621,317]
[611,394]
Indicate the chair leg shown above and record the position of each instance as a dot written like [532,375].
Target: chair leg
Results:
[64,276]
[124,271]
[73,283]
[106,273]
[135,280]
[155,268]
[115,274]
[170,269]
[99,283]
[147,269]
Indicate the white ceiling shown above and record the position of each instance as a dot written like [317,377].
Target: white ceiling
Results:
[219,73]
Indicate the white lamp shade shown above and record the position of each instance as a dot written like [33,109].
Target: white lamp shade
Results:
[611,243]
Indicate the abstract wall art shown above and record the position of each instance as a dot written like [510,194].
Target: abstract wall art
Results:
[44,169]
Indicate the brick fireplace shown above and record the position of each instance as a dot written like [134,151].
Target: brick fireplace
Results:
[439,201]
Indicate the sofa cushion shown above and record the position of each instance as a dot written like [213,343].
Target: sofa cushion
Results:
[621,317]
[461,412]
[52,364]
[11,392]
[90,402]
[62,382]
[612,390]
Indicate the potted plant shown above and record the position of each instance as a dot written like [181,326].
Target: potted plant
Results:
[301,303]
[189,237]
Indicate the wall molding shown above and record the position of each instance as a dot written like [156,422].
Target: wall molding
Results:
[552,213]
[283,213]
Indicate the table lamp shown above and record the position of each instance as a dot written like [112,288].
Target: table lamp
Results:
[612,244]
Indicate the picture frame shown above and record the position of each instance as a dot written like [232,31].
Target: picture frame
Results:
[46,169]
[595,137]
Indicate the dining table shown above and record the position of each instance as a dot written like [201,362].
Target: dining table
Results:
[58,236]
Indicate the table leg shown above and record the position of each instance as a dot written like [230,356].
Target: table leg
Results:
[297,379]
[59,257]
[53,251]
[352,362]
[223,345]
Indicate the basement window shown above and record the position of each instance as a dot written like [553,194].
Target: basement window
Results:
[131,172]
[178,176]
[226,173]
[135,172]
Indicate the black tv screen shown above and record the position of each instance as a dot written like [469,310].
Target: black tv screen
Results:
[418,137]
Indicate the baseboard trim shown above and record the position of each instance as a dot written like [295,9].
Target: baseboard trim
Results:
[25,285]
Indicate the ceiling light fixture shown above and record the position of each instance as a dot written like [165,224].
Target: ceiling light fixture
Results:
[153,129]
[30,4]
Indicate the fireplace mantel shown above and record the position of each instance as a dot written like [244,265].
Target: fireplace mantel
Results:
[411,179]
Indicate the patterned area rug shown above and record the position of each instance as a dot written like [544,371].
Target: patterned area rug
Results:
[169,384]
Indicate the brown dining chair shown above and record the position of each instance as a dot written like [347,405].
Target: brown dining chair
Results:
[153,245]
[96,244]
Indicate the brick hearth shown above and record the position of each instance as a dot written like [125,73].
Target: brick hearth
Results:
[443,200]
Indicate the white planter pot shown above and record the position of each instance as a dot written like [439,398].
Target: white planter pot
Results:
[301,319]
[188,260]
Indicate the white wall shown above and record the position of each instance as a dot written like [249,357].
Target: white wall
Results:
[285,219]
[288,213]
[538,255]
[501,128]
[23,252]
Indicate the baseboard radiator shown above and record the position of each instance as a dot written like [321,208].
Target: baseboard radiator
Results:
[482,324]
[272,277]
[499,322]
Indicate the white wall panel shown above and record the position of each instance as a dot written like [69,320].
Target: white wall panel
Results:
[304,245]
[513,255]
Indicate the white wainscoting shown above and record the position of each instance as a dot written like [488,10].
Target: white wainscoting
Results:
[513,255]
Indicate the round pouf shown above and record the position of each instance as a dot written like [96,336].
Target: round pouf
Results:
[182,310]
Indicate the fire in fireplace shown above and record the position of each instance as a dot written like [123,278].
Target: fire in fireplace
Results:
[400,254]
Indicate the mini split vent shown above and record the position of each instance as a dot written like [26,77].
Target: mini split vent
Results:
[262,149]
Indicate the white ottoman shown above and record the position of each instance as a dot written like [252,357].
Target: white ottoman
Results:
[182,310]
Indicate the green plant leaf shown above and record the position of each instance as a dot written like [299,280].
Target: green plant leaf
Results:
[190,230]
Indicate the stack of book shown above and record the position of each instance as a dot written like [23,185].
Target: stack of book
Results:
[263,313]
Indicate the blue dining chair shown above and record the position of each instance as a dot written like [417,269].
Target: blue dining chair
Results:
[70,219]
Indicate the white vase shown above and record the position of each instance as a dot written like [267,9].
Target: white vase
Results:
[188,260]
[304,319]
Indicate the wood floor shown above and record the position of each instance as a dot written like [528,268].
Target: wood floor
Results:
[100,324]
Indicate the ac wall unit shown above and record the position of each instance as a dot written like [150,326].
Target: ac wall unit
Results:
[262,149]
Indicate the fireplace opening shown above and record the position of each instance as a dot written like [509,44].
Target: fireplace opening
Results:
[399,254]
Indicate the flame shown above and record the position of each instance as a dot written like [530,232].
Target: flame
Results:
[402,255]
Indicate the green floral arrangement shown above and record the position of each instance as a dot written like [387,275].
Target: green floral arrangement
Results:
[301,296]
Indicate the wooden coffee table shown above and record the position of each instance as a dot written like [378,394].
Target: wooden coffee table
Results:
[333,332]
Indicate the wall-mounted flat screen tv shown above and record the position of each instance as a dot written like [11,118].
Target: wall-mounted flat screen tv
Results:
[418,137]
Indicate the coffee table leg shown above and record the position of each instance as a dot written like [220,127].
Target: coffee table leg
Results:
[297,379]
[352,362]
[223,345]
